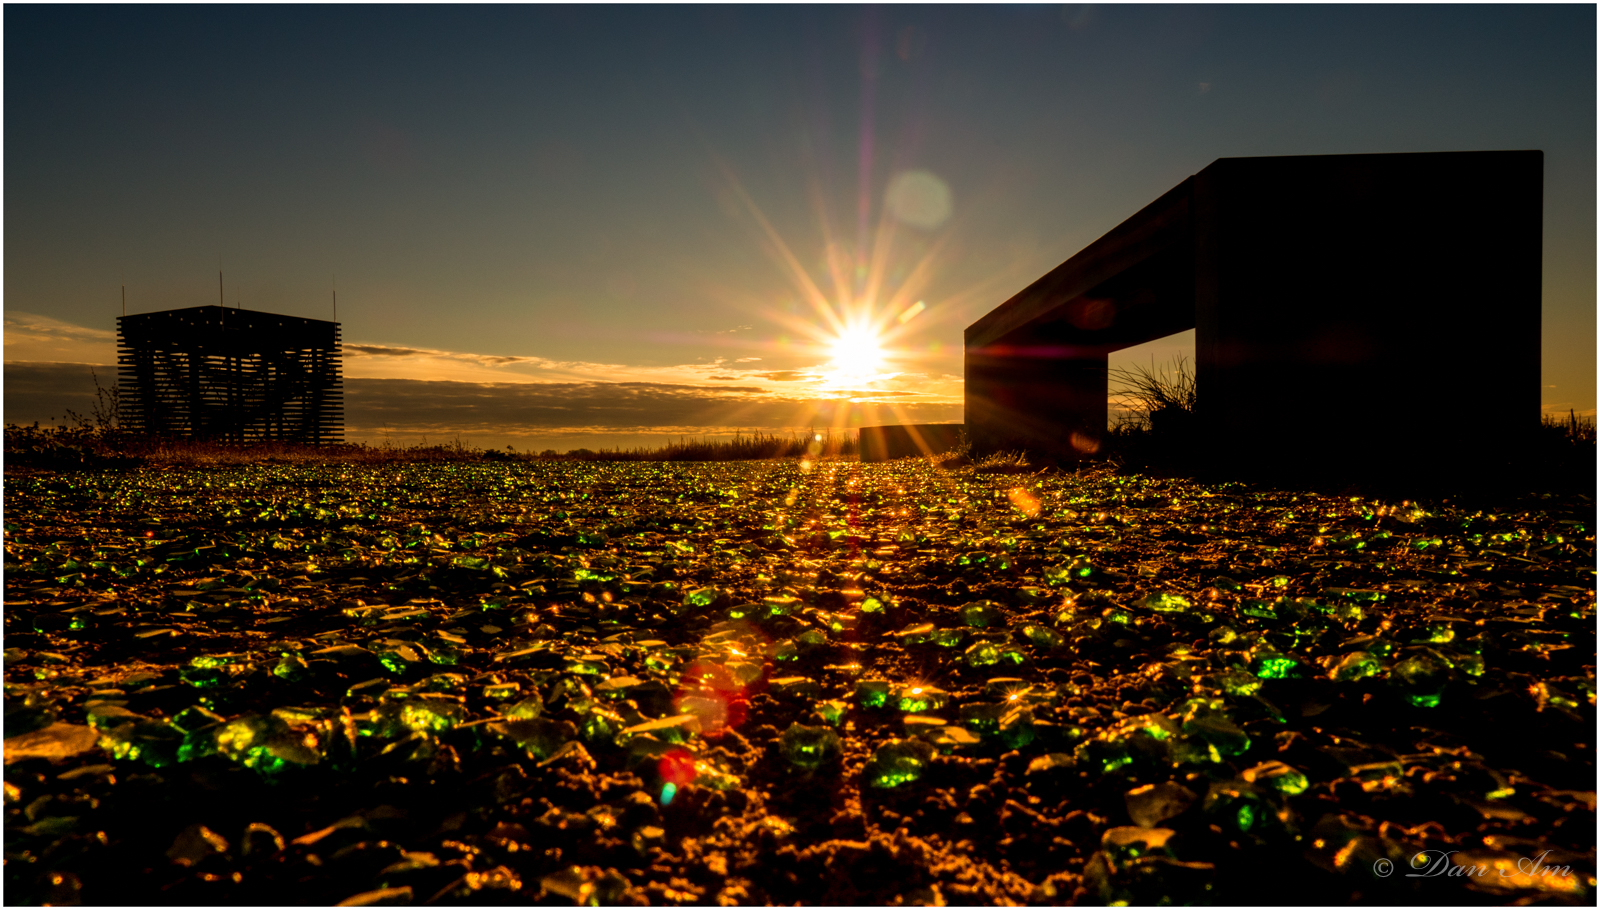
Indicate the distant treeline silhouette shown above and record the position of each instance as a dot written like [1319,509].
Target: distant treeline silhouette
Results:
[756,447]
[100,444]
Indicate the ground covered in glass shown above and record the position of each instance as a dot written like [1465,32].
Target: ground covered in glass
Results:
[782,682]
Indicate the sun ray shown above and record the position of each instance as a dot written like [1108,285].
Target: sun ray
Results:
[808,288]
[851,350]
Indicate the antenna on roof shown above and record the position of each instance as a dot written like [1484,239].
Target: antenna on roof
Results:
[220,301]
[335,298]
[124,295]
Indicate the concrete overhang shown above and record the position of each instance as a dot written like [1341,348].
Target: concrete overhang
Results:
[1134,283]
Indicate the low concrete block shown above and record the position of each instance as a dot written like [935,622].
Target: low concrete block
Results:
[908,440]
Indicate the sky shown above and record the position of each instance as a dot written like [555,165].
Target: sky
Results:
[606,226]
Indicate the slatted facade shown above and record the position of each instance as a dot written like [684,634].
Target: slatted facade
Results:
[231,375]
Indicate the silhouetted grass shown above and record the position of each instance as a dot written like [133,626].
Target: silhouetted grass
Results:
[89,447]
[1564,453]
[1161,397]
[756,447]
[1156,434]
[92,448]
[1571,430]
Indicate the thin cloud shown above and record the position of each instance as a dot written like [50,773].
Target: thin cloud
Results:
[29,336]
[502,361]
[378,350]
[40,339]
[412,408]
[405,391]
[44,325]
[480,407]
[382,350]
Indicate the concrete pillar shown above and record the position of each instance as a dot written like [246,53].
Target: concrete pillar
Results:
[1368,316]
[1039,397]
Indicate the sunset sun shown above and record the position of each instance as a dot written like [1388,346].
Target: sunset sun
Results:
[858,356]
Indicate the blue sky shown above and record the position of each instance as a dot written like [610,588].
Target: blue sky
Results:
[633,221]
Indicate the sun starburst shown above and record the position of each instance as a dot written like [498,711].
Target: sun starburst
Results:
[858,357]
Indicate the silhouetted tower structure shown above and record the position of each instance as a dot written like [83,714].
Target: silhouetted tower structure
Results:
[231,374]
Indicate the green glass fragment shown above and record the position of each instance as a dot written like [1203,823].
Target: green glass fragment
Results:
[1102,756]
[832,711]
[700,597]
[982,654]
[708,774]
[1422,678]
[541,738]
[983,717]
[1058,575]
[291,667]
[781,604]
[430,714]
[195,718]
[809,748]
[202,677]
[795,687]
[916,699]
[1260,609]
[916,633]
[1269,664]
[1042,637]
[1017,728]
[1237,806]
[154,743]
[1164,603]
[1354,666]
[873,693]
[266,743]
[898,762]
[1219,733]
[982,614]
[1278,776]
[601,724]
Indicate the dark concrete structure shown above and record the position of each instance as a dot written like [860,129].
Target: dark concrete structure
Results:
[1355,316]
[887,443]
[231,375]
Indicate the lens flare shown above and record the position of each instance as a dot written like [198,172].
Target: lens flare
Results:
[1024,501]
[714,695]
[919,198]
[677,767]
